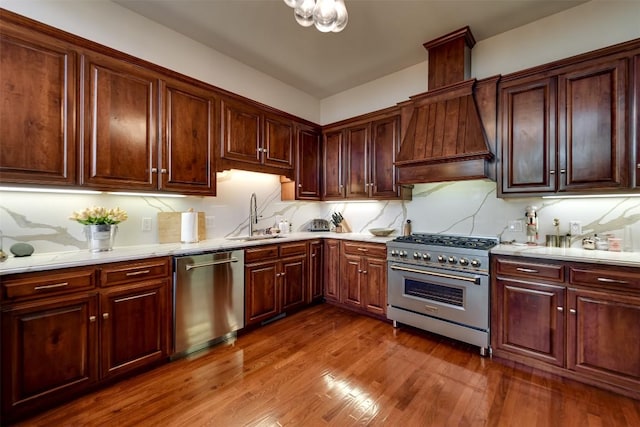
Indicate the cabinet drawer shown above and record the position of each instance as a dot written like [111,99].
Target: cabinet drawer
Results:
[368,249]
[530,270]
[260,253]
[603,277]
[46,283]
[293,248]
[125,272]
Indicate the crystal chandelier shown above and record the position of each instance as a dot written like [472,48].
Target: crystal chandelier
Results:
[326,15]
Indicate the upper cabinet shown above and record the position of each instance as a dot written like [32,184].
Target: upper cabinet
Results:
[308,166]
[358,159]
[565,127]
[38,108]
[635,127]
[254,139]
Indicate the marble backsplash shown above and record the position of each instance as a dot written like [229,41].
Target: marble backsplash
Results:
[465,207]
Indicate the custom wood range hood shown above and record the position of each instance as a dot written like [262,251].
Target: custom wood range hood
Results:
[445,138]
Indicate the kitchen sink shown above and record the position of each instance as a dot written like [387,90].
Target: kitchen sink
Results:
[255,237]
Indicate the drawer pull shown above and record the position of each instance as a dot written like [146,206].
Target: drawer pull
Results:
[561,309]
[363,249]
[137,273]
[57,285]
[527,270]
[607,280]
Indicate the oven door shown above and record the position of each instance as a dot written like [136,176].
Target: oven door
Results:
[459,297]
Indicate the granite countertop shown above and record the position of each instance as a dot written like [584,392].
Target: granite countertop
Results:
[629,259]
[53,260]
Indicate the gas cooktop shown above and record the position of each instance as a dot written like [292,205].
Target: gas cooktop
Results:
[449,240]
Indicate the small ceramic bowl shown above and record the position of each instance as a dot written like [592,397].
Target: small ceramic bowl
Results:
[381,232]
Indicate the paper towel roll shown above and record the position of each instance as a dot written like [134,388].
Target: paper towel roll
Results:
[189,227]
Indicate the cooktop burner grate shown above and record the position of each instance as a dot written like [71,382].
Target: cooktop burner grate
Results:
[471,242]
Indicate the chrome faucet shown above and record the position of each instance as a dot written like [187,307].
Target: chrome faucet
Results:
[253,213]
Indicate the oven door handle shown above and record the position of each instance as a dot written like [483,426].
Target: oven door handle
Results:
[474,280]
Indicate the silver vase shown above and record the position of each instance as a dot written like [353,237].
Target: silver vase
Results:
[101,237]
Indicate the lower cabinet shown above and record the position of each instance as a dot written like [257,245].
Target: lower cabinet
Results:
[579,320]
[363,277]
[331,260]
[315,287]
[64,331]
[275,280]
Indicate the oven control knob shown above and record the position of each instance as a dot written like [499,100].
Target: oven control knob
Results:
[475,263]
[417,255]
[403,254]
[442,259]
[393,252]
[452,260]
[464,261]
[426,257]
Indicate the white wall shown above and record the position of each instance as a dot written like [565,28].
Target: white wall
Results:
[587,27]
[114,26]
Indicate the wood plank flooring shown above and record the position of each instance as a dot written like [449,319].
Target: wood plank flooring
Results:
[329,367]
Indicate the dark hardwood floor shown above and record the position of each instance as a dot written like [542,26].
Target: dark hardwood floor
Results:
[328,366]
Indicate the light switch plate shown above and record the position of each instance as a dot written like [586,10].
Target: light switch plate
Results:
[575,228]
[147,223]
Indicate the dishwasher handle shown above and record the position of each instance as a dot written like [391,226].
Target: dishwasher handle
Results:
[209,263]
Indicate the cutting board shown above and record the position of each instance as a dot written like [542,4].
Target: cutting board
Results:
[169,227]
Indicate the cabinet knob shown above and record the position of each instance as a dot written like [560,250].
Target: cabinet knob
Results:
[562,170]
[560,308]
[572,310]
[299,185]
[364,271]
[638,166]
[105,316]
[359,271]
[154,170]
[552,172]
[92,319]
[163,171]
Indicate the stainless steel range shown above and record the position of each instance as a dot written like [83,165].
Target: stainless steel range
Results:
[440,283]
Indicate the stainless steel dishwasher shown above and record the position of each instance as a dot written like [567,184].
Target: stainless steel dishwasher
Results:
[208,299]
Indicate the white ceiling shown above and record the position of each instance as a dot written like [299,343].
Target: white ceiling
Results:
[382,36]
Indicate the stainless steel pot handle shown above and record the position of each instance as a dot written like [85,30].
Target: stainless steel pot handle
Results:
[473,280]
[209,263]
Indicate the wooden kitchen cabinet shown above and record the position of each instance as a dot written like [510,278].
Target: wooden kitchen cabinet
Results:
[564,128]
[363,278]
[331,261]
[574,319]
[38,127]
[316,271]
[635,126]
[276,281]
[359,159]
[254,139]
[64,331]
[308,167]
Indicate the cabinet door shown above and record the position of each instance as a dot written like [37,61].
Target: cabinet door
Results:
[636,120]
[278,142]
[308,165]
[38,109]
[241,130]
[134,326]
[375,286]
[333,165]
[603,336]
[351,280]
[315,288]
[592,127]
[49,351]
[120,124]
[357,180]
[528,162]
[331,261]
[189,139]
[261,292]
[530,320]
[385,136]
[293,276]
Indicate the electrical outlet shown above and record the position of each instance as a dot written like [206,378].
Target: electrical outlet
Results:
[146,224]
[209,222]
[517,226]
[575,228]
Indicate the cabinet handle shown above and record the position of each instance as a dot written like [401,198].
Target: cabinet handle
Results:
[277,274]
[283,274]
[527,270]
[299,185]
[572,310]
[364,271]
[552,172]
[359,271]
[560,309]
[638,166]
[313,255]
[137,273]
[363,249]
[562,171]
[607,280]
[163,170]
[92,319]
[105,316]
[430,308]
[57,285]
[154,170]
